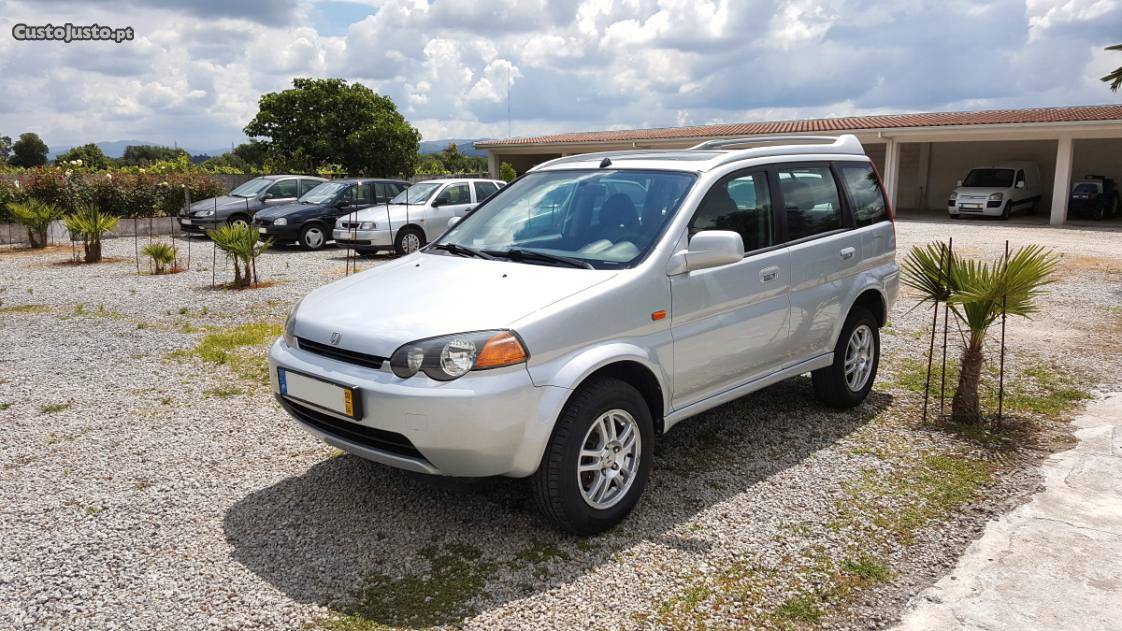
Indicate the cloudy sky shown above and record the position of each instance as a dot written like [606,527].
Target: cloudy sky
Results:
[194,73]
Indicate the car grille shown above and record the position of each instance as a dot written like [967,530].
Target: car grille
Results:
[371,437]
[258,221]
[341,354]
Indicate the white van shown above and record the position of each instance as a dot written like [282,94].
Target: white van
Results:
[997,191]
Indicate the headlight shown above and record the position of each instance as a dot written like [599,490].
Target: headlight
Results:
[280,222]
[954,195]
[452,356]
[290,325]
[205,213]
[996,197]
[367,225]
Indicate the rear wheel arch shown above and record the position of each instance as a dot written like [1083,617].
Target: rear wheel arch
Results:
[873,300]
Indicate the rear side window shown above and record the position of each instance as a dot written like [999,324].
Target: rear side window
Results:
[865,191]
[360,194]
[741,203]
[307,185]
[810,200]
[483,190]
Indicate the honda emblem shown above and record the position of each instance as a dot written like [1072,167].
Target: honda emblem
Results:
[335,337]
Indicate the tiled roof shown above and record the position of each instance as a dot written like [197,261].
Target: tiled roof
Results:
[1081,113]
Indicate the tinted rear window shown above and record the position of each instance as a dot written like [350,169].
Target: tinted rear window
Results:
[865,191]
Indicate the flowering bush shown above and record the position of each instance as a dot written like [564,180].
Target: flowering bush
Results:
[131,192]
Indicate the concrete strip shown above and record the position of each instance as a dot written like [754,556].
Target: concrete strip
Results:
[1054,563]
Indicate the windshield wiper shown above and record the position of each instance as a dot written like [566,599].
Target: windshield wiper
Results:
[463,250]
[521,254]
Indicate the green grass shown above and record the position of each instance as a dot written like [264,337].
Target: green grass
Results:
[239,348]
[801,608]
[540,552]
[223,392]
[442,596]
[4,406]
[51,408]
[866,568]
[25,309]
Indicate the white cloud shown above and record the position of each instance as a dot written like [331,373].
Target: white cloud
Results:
[195,72]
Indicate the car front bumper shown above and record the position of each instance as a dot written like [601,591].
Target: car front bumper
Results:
[975,208]
[199,224]
[363,238]
[277,233]
[490,422]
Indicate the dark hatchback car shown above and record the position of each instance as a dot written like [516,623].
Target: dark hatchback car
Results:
[1096,197]
[310,219]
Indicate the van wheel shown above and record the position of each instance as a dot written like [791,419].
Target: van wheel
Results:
[409,239]
[598,459]
[1008,210]
[313,237]
[955,215]
[847,382]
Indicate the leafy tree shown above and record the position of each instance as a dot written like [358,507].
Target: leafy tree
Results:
[144,155]
[252,153]
[1114,78]
[5,148]
[976,292]
[507,172]
[456,162]
[29,151]
[328,121]
[90,154]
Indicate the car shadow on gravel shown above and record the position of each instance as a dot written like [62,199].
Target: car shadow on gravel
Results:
[321,536]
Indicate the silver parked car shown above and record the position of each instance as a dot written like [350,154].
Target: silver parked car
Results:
[559,329]
[414,217]
[244,201]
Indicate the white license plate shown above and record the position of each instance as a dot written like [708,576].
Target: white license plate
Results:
[185,222]
[320,393]
[262,230]
[972,206]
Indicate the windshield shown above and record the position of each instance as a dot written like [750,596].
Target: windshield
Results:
[989,178]
[607,218]
[323,193]
[416,194]
[1086,188]
[251,188]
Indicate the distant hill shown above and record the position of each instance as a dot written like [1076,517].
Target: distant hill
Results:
[464,145]
[116,148]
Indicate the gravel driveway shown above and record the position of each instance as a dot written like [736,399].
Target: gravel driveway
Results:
[142,486]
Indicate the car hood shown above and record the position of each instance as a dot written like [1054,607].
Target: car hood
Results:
[424,295]
[981,191]
[223,202]
[288,209]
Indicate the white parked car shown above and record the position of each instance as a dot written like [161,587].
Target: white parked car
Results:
[562,327]
[414,217]
[997,191]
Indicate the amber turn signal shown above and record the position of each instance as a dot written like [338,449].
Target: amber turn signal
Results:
[501,349]
[659,315]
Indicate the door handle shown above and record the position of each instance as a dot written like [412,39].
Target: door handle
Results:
[847,253]
[769,274]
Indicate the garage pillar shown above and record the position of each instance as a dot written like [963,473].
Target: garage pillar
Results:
[493,164]
[1061,187]
[891,169]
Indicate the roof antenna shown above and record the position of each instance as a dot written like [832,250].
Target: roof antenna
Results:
[605,163]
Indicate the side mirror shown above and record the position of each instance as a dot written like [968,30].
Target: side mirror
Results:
[713,248]
[958,182]
[440,201]
[1020,184]
[453,221]
[342,203]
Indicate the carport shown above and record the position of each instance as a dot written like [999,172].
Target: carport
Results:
[920,156]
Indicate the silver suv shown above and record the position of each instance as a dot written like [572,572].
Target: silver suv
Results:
[585,309]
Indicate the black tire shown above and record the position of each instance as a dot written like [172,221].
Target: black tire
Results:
[235,220]
[1007,212]
[955,215]
[1101,212]
[399,242]
[830,383]
[365,252]
[313,237]
[556,486]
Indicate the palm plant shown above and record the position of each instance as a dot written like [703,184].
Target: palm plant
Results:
[977,293]
[241,246]
[89,224]
[1114,78]
[37,217]
[162,255]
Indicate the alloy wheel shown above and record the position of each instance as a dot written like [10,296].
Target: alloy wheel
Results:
[410,243]
[859,357]
[609,459]
[313,238]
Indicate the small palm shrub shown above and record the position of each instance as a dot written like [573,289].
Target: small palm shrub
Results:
[976,292]
[89,224]
[162,255]
[241,246]
[36,216]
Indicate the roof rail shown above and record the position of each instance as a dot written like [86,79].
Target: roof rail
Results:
[720,143]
